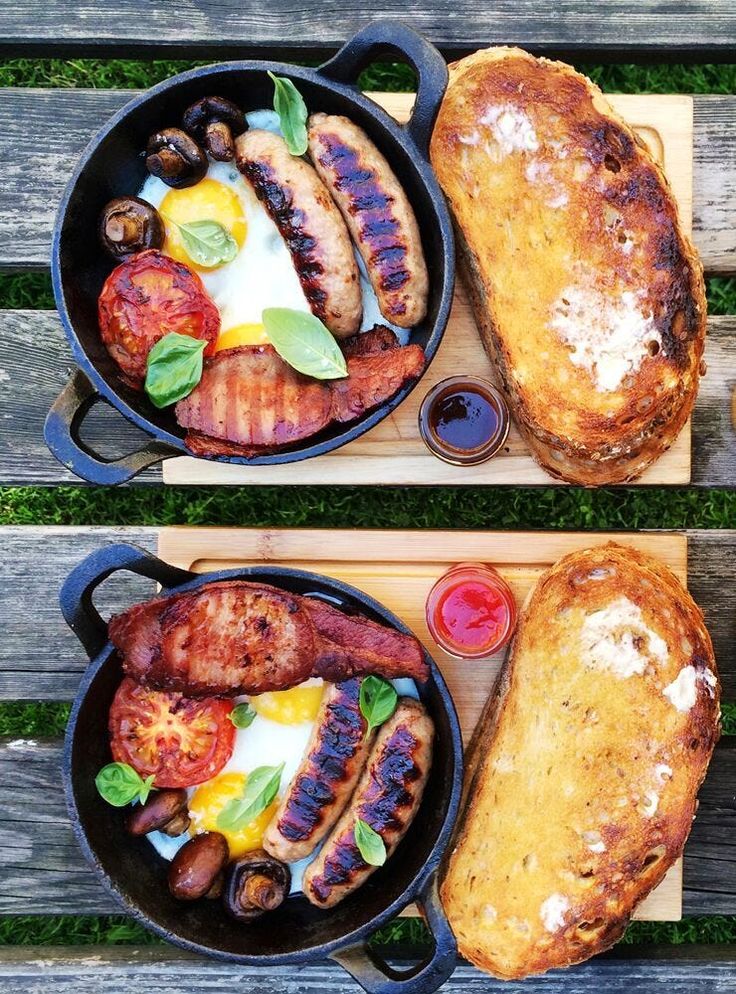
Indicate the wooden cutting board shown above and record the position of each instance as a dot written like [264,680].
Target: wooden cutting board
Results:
[399,567]
[393,452]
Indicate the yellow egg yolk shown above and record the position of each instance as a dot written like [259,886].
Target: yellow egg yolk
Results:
[290,707]
[207,201]
[207,802]
[241,334]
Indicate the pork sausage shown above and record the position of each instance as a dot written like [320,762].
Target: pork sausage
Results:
[386,798]
[302,209]
[377,212]
[333,761]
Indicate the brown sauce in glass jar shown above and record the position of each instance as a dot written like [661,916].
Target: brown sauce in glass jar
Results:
[464,420]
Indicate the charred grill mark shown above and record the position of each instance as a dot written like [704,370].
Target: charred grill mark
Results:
[316,787]
[372,209]
[291,223]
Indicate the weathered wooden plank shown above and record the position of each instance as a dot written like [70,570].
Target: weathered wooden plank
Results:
[43,131]
[42,869]
[166,970]
[36,363]
[698,28]
[43,660]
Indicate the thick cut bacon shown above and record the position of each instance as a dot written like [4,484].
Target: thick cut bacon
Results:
[372,379]
[235,637]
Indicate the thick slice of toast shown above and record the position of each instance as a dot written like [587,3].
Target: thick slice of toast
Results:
[583,772]
[588,295]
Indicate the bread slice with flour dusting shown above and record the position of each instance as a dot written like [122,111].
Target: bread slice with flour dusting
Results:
[583,772]
[588,294]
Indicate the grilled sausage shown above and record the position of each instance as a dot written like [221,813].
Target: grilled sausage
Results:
[386,798]
[310,224]
[377,212]
[332,763]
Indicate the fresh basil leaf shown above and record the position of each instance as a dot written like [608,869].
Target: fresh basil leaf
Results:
[261,787]
[242,715]
[378,700]
[119,784]
[289,105]
[174,368]
[369,843]
[208,243]
[303,341]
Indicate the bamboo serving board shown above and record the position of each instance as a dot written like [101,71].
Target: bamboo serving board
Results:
[399,567]
[393,452]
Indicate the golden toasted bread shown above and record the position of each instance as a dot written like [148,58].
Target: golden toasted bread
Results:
[581,784]
[588,295]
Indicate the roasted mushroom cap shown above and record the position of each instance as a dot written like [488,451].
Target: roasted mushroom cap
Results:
[164,811]
[255,883]
[176,158]
[215,122]
[196,870]
[128,225]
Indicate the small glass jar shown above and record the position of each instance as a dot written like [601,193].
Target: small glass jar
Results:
[471,611]
[464,420]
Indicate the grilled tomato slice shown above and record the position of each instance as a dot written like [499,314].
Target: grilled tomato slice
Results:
[145,298]
[180,740]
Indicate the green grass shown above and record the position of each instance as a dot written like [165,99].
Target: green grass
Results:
[345,507]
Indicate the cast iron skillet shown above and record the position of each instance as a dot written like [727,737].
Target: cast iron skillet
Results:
[113,165]
[297,932]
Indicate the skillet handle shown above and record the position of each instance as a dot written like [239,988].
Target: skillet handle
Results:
[377,977]
[61,432]
[76,592]
[392,37]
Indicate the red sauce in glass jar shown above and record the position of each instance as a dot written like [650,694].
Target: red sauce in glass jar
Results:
[471,611]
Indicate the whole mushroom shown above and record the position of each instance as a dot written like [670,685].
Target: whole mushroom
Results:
[215,122]
[176,158]
[196,870]
[164,811]
[129,225]
[255,883]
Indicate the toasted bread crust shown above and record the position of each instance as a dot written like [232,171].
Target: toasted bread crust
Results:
[588,295]
[583,772]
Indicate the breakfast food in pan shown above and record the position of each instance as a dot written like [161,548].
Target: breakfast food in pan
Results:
[604,718]
[588,294]
[270,743]
[257,254]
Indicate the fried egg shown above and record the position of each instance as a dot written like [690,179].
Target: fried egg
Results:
[262,274]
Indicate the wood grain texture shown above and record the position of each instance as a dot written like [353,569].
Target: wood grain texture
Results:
[36,353]
[42,870]
[623,28]
[42,132]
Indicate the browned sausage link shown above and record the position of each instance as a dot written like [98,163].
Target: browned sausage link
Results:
[378,213]
[387,798]
[333,761]
[310,224]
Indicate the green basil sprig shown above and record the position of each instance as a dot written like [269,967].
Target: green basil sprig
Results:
[261,787]
[378,699]
[174,368]
[289,105]
[119,784]
[242,715]
[370,844]
[208,243]
[303,341]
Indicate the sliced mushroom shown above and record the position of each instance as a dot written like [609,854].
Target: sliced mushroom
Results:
[255,883]
[176,158]
[196,870]
[215,122]
[164,811]
[129,225]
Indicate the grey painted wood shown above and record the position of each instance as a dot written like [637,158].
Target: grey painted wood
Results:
[43,660]
[705,28]
[43,131]
[35,352]
[42,869]
[165,970]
